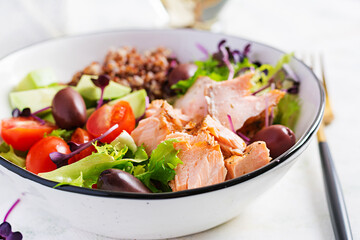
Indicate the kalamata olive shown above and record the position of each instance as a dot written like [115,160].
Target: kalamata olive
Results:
[278,139]
[68,109]
[120,181]
[182,72]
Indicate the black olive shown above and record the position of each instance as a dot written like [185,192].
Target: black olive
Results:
[120,181]
[68,109]
[278,139]
[182,72]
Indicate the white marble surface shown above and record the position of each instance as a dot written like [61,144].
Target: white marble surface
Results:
[295,208]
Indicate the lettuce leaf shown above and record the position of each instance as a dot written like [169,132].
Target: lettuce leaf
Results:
[159,168]
[112,151]
[89,168]
[61,133]
[265,72]
[8,153]
[288,111]
[210,68]
[163,161]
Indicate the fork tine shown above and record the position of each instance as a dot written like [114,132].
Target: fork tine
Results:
[328,113]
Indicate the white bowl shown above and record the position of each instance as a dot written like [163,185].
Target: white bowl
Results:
[144,216]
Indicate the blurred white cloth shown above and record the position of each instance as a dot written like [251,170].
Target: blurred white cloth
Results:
[296,207]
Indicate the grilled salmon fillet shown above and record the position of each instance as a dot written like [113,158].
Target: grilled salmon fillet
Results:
[256,155]
[153,130]
[203,162]
[193,103]
[233,98]
[230,143]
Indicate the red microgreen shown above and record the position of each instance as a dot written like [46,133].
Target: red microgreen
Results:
[231,123]
[73,146]
[101,82]
[264,87]
[26,112]
[246,51]
[203,50]
[61,159]
[236,53]
[246,139]
[227,61]
[6,232]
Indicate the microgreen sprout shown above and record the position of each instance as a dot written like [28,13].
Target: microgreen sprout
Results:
[227,61]
[245,138]
[61,159]
[203,50]
[26,112]
[101,82]
[6,232]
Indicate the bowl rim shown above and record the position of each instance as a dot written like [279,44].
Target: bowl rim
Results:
[185,193]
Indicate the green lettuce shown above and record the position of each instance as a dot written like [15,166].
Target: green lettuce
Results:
[162,162]
[210,68]
[260,79]
[85,172]
[88,169]
[287,111]
[7,152]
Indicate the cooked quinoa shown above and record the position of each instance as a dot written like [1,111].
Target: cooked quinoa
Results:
[127,66]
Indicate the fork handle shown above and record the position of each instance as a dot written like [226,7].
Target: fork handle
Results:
[336,204]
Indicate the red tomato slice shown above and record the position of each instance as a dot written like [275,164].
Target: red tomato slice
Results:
[81,136]
[107,116]
[23,132]
[38,160]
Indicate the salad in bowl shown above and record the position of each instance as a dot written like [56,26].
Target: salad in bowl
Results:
[150,123]
[152,135]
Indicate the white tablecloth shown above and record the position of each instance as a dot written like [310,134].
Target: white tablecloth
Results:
[296,207]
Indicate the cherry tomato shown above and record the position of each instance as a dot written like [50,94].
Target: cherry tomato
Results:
[81,136]
[23,132]
[38,160]
[107,116]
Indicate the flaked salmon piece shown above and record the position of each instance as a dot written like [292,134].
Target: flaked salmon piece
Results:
[193,103]
[230,90]
[153,130]
[230,143]
[200,135]
[255,156]
[203,162]
[223,100]
[155,105]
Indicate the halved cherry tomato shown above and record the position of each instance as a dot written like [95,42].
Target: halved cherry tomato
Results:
[81,136]
[38,160]
[107,116]
[23,132]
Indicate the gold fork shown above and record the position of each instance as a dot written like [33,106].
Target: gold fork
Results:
[336,204]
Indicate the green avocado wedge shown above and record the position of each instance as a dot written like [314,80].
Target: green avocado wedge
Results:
[90,92]
[37,79]
[34,99]
[135,99]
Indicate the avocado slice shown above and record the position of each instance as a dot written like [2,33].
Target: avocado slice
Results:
[37,79]
[89,91]
[135,99]
[34,99]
